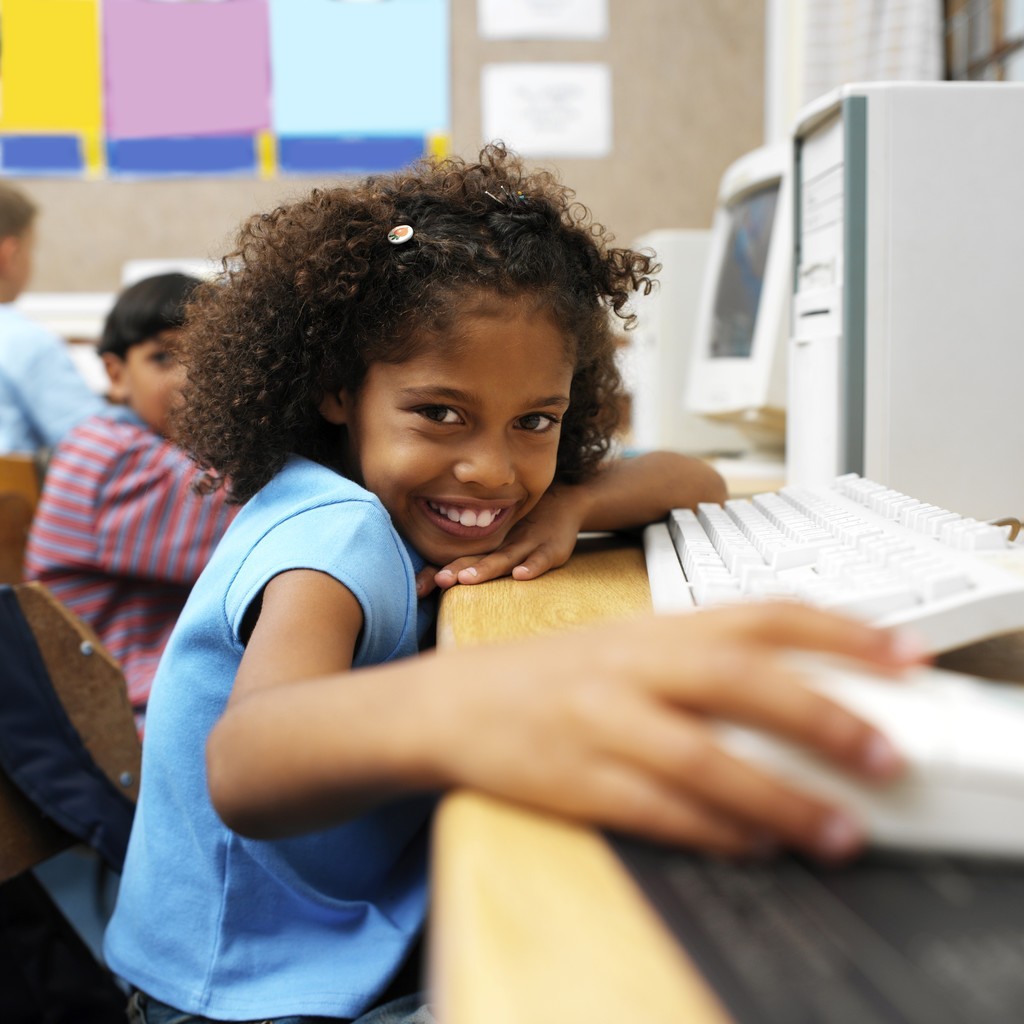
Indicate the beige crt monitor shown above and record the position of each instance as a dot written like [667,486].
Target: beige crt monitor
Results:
[737,371]
[656,358]
[907,351]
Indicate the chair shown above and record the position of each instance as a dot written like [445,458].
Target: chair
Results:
[19,494]
[69,773]
[15,520]
[19,474]
[69,751]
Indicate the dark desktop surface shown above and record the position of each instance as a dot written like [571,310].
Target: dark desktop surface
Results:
[898,939]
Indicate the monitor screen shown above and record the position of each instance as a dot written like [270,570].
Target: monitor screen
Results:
[742,273]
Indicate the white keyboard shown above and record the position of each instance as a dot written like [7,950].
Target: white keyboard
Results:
[855,547]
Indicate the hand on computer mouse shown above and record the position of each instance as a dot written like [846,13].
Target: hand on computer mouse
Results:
[616,726]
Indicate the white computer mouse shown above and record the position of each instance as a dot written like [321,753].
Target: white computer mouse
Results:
[963,740]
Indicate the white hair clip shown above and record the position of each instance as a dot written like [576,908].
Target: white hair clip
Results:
[400,234]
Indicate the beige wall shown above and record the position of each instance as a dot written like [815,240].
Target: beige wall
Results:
[688,98]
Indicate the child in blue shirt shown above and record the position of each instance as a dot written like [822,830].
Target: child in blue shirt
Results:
[417,370]
[42,394]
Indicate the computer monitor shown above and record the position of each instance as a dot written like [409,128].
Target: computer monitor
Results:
[737,372]
[906,359]
[656,356]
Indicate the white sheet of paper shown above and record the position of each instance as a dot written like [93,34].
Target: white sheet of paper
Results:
[542,19]
[548,109]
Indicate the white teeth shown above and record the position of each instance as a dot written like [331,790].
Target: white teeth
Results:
[467,516]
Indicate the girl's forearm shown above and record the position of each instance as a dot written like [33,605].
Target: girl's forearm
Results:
[287,760]
[635,491]
[608,727]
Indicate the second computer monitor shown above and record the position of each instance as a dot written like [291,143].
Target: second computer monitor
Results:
[737,371]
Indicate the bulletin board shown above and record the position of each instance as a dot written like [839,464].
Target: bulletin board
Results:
[687,88]
[142,88]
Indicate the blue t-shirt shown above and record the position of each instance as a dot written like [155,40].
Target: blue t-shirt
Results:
[42,394]
[240,929]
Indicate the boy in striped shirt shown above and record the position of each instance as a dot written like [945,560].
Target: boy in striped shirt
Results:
[122,532]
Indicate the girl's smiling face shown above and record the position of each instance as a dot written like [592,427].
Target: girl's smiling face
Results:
[460,441]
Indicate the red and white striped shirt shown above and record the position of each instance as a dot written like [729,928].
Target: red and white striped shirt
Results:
[120,535]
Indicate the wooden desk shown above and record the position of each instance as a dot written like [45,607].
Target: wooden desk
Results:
[535,920]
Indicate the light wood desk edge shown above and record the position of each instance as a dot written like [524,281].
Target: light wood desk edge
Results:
[535,919]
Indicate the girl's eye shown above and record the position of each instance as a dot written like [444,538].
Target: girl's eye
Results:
[440,414]
[538,422]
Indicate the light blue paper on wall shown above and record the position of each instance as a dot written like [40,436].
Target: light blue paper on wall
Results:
[359,69]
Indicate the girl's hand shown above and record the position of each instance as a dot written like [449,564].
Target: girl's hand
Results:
[543,540]
[612,727]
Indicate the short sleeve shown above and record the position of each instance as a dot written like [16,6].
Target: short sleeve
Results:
[354,542]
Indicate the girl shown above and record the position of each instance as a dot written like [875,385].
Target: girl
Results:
[396,373]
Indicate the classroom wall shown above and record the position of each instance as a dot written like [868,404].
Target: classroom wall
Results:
[688,99]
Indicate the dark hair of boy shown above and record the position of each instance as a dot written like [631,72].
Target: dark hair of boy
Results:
[144,309]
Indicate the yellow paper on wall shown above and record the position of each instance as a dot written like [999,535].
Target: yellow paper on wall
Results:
[50,79]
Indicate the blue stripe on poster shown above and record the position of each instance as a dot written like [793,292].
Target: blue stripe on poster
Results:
[302,154]
[212,155]
[41,154]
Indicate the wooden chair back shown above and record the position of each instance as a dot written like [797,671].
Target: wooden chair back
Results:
[19,474]
[90,687]
[15,521]
[19,495]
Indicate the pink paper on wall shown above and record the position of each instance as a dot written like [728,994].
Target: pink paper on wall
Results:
[186,69]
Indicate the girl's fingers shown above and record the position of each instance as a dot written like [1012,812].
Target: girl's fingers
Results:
[523,561]
[490,567]
[617,796]
[426,580]
[760,688]
[683,755]
[538,563]
[788,624]
[666,816]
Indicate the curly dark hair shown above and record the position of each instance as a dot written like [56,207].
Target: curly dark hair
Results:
[315,293]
